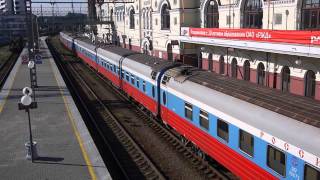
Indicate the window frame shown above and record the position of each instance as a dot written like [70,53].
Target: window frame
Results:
[252,14]
[164,98]
[308,9]
[132,79]
[131,19]
[165,17]
[312,167]
[243,151]
[201,116]
[228,133]
[153,91]
[138,82]
[188,106]
[285,160]
[127,77]
[211,14]
[144,86]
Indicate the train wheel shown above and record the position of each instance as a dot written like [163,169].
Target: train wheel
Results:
[201,154]
[183,140]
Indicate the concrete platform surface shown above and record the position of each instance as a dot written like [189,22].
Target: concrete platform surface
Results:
[65,147]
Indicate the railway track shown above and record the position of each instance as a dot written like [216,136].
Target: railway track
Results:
[126,121]
[6,67]
[128,161]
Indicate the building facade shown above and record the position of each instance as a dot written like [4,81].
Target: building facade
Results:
[19,6]
[270,43]
[6,6]
[12,7]
[12,26]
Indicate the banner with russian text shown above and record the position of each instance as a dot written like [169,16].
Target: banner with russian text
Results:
[261,35]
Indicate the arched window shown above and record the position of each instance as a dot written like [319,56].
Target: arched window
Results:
[310,84]
[285,79]
[165,17]
[261,74]
[252,14]
[246,71]
[221,65]
[212,14]
[310,14]
[234,68]
[210,62]
[169,52]
[131,18]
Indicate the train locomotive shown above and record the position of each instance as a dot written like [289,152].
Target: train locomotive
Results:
[246,128]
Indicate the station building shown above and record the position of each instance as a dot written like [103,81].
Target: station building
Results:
[271,43]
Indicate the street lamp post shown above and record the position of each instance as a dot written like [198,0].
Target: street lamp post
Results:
[27,104]
[31,66]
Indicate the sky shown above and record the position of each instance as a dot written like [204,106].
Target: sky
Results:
[59,8]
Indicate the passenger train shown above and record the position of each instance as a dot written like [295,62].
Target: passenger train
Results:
[251,141]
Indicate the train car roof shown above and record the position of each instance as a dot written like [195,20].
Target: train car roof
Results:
[300,108]
[155,63]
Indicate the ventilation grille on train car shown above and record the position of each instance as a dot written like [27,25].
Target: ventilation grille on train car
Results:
[153,75]
[165,79]
[181,73]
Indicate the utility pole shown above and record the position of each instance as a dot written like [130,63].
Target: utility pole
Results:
[72,7]
[31,41]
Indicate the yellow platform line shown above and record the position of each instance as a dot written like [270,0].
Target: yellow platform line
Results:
[75,131]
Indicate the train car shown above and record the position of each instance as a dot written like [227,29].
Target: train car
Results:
[257,133]
[66,40]
[251,141]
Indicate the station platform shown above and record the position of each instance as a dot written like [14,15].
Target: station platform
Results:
[65,147]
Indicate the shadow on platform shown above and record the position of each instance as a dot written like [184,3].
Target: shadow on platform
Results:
[57,161]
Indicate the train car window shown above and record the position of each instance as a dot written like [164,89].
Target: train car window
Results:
[111,67]
[114,68]
[138,83]
[188,111]
[127,77]
[223,130]
[310,173]
[276,160]
[144,86]
[204,119]
[153,92]
[132,79]
[122,74]
[246,142]
[164,98]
